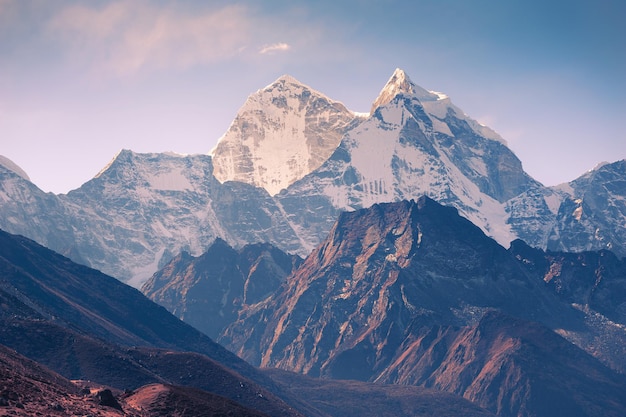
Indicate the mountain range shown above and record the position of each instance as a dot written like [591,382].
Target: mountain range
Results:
[290,162]
[399,262]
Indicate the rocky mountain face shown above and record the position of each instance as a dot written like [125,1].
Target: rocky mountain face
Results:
[379,271]
[294,159]
[80,323]
[594,208]
[209,291]
[512,367]
[411,292]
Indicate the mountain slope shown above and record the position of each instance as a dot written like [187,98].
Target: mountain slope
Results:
[511,367]
[356,399]
[209,291]
[380,271]
[161,400]
[82,324]
[29,389]
[46,286]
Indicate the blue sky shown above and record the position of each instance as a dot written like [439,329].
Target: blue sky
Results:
[80,80]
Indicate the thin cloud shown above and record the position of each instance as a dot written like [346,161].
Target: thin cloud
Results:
[125,37]
[275,47]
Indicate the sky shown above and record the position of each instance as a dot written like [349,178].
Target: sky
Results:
[81,80]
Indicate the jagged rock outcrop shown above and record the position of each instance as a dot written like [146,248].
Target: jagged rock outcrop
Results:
[589,218]
[381,272]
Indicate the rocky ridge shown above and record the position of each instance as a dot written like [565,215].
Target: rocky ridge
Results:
[412,293]
[209,291]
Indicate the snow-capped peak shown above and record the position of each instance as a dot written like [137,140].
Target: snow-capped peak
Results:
[112,161]
[599,165]
[7,163]
[283,132]
[437,105]
[283,80]
[400,83]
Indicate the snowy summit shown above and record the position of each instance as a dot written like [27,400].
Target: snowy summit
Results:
[281,133]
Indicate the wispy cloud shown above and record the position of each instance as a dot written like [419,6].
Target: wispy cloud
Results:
[275,47]
[125,37]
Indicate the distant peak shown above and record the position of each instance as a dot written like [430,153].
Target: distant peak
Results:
[12,166]
[122,154]
[290,85]
[400,83]
[288,79]
[282,81]
[600,165]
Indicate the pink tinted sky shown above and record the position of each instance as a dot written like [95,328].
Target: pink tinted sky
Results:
[80,80]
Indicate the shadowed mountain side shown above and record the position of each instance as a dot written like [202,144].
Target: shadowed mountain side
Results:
[511,367]
[595,284]
[86,300]
[72,319]
[209,291]
[75,355]
[29,389]
[593,279]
